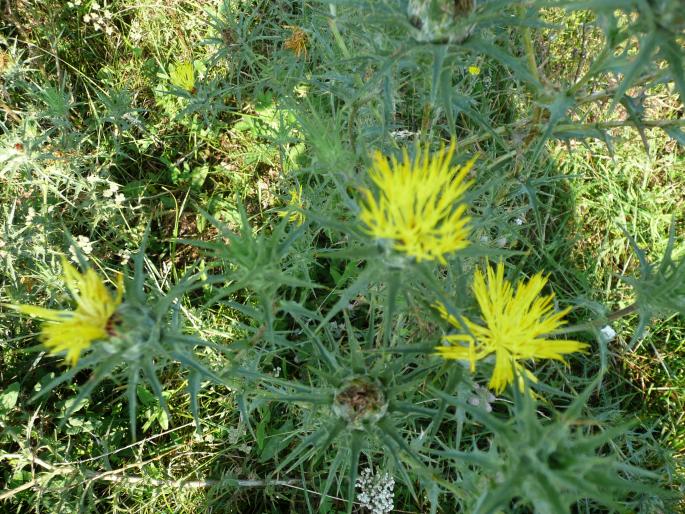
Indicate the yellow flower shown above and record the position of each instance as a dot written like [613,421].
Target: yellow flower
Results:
[295,206]
[297,42]
[74,331]
[418,206]
[474,70]
[183,75]
[517,323]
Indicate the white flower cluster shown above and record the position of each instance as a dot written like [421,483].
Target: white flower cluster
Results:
[376,491]
[100,18]
[136,34]
[125,256]
[112,191]
[84,244]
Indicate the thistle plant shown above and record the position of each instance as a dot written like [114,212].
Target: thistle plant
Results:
[418,323]
[548,465]
[660,289]
[132,336]
[94,319]
[357,410]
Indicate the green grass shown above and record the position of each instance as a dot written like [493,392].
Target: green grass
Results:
[102,142]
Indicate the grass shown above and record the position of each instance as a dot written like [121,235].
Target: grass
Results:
[189,124]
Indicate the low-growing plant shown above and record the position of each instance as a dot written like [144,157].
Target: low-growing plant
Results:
[360,286]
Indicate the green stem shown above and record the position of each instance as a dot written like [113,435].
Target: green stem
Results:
[529,48]
[336,33]
[618,123]
[601,322]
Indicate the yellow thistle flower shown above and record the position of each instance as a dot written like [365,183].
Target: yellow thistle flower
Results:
[474,70]
[418,206]
[294,207]
[74,331]
[297,42]
[517,322]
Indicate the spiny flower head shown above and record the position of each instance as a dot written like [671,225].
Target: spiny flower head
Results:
[294,207]
[297,42]
[74,331]
[419,204]
[517,323]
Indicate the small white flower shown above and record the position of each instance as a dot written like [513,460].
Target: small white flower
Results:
[519,221]
[86,18]
[95,6]
[30,215]
[109,30]
[136,32]
[125,256]
[119,199]
[92,179]
[107,14]
[607,333]
[84,244]
[111,190]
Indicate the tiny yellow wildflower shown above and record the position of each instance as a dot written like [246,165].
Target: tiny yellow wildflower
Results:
[183,75]
[297,42]
[517,323]
[74,331]
[419,204]
[294,207]
[474,70]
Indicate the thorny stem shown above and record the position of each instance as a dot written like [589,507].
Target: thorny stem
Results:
[479,138]
[619,123]
[118,476]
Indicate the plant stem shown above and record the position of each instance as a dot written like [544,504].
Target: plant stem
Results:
[601,322]
[529,48]
[336,33]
